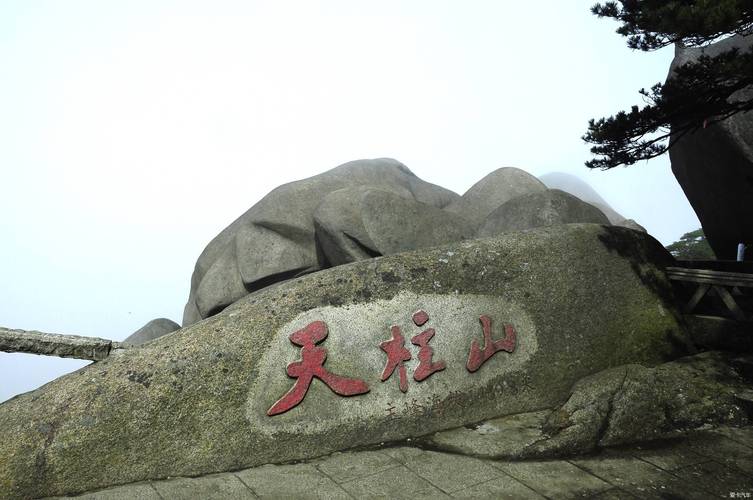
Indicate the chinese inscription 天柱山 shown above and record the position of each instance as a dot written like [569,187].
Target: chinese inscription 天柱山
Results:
[311,364]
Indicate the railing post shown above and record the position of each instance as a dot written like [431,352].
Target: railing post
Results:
[53,344]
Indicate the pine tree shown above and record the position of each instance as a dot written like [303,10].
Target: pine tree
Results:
[699,93]
[692,246]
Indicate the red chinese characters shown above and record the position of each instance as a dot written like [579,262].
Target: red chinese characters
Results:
[477,357]
[397,354]
[425,365]
[310,366]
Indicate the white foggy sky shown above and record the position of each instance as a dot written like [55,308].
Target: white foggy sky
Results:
[132,132]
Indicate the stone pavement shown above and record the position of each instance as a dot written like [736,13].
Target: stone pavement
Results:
[711,464]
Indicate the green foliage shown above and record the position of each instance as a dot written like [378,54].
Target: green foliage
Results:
[653,24]
[692,246]
[699,92]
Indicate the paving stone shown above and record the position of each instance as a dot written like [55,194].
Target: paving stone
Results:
[555,478]
[621,469]
[503,488]
[399,482]
[723,450]
[290,481]
[742,435]
[128,492]
[342,467]
[637,477]
[404,454]
[446,471]
[744,464]
[711,464]
[716,478]
[667,455]
[667,489]
[216,486]
[613,494]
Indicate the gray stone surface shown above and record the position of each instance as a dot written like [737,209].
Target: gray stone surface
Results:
[640,478]
[620,405]
[450,473]
[636,403]
[540,209]
[154,329]
[506,437]
[291,481]
[555,479]
[197,401]
[363,222]
[128,492]
[343,467]
[713,166]
[400,482]
[579,188]
[274,239]
[619,474]
[497,188]
[216,486]
[499,488]
[631,224]
[668,454]
[54,344]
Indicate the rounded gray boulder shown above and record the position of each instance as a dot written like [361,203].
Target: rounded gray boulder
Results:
[497,188]
[274,240]
[364,222]
[581,189]
[155,329]
[540,209]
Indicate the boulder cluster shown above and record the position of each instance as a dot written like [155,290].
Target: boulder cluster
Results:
[370,208]
[517,320]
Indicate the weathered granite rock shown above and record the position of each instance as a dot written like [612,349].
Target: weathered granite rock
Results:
[363,222]
[494,190]
[579,188]
[621,405]
[540,209]
[631,224]
[154,329]
[198,401]
[635,403]
[714,166]
[274,240]
[511,436]
[54,344]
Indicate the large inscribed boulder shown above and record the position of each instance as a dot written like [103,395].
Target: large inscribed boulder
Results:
[368,352]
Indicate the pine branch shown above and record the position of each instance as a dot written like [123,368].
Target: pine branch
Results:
[699,94]
[653,24]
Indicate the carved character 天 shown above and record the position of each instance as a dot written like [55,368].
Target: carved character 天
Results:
[311,366]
